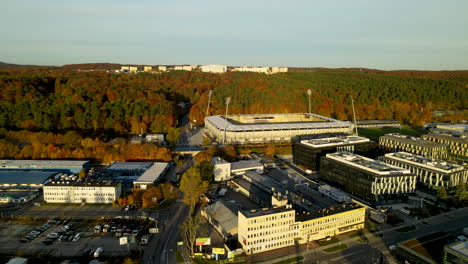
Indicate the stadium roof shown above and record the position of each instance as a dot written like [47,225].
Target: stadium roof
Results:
[153,173]
[25,176]
[222,123]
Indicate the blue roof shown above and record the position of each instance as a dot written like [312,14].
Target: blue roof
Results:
[25,176]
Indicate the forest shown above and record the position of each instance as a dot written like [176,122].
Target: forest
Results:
[100,106]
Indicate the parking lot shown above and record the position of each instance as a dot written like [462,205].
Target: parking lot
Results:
[69,238]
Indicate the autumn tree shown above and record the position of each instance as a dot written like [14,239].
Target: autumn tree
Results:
[188,231]
[460,192]
[192,186]
[442,193]
[151,197]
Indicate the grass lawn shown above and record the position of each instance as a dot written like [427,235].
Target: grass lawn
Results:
[336,248]
[406,229]
[356,234]
[375,133]
[291,260]
[326,243]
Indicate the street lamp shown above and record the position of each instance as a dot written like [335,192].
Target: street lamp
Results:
[309,92]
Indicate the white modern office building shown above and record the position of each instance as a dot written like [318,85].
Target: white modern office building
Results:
[214,68]
[68,189]
[432,173]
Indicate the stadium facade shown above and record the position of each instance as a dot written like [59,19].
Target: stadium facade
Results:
[264,128]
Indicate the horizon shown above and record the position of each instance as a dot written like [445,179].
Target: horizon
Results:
[419,35]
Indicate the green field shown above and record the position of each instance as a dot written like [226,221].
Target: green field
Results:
[291,260]
[329,242]
[336,248]
[375,133]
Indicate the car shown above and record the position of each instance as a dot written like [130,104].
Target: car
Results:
[87,252]
[53,235]
[70,238]
[52,222]
[60,238]
[30,237]
[35,232]
[24,240]
[47,226]
[48,241]
[76,237]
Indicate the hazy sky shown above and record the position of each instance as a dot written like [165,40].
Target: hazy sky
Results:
[383,34]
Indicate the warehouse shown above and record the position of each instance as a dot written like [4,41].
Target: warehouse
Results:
[151,176]
[66,166]
[264,128]
[25,178]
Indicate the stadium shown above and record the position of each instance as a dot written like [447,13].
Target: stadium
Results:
[264,128]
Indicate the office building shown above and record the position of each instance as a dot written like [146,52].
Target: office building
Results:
[307,153]
[457,145]
[214,68]
[68,189]
[264,128]
[368,179]
[268,229]
[431,173]
[426,148]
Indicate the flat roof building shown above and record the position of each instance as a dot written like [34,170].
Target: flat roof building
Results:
[307,153]
[70,166]
[457,146]
[397,142]
[431,173]
[25,178]
[456,253]
[243,166]
[152,175]
[368,179]
[222,218]
[66,189]
[221,169]
[377,123]
[264,128]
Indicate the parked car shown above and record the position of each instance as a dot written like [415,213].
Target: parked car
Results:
[53,235]
[98,252]
[76,237]
[48,241]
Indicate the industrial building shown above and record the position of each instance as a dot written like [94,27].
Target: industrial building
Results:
[67,166]
[457,145]
[368,179]
[24,178]
[431,173]
[264,128]
[151,176]
[267,229]
[307,153]
[223,218]
[397,142]
[69,189]
[221,169]
[18,195]
[138,174]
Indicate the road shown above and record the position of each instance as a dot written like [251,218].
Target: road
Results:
[165,243]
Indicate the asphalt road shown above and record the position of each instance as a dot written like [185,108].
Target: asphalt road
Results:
[163,248]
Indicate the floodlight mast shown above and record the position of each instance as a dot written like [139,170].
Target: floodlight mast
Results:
[309,92]
[354,114]
[228,101]
[209,99]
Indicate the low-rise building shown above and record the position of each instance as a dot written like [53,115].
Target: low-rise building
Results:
[243,166]
[334,193]
[222,218]
[221,169]
[162,68]
[147,68]
[456,253]
[69,166]
[368,179]
[457,145]
[72,190]
[377,123]
[18,195]
[307,153]
[33,179]
[431,173]
[155,138]
[397,142]
[151,176]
